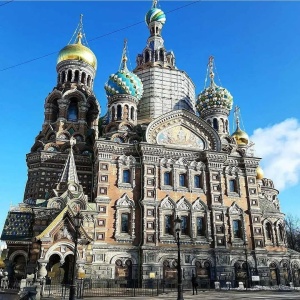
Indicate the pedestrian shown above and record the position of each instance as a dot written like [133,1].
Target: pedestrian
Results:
[194,284]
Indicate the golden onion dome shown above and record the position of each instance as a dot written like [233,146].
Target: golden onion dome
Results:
[259,173]
[241,137]
[79,52]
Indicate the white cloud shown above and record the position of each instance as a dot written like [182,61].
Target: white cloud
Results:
[279,148]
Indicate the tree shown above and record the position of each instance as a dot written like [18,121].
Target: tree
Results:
[292,224]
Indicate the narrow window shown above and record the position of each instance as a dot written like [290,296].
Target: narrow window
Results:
[132,113]
[280,232]
[168,227]
[63,77]
[268,231]
[83,75]
[182,181]
[232,185]
[113,113]
[73,111]
[89,80]
[76,79]
[215,124]
[167,178]
[119,112]
[147,56]
[237,232]
[184,225]
[126,176]
[197,181]
[200,226]
[125,223]
[69,75]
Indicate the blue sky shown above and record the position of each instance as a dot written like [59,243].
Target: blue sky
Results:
[255,45]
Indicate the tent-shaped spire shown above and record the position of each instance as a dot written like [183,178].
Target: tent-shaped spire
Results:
[69,174]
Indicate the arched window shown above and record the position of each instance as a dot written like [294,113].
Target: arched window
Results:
[126,176]
[215,124]
[69,75]
[197,181]
[76,79]
[132,113]
[168,224]
[58,78]
[113,113]
[281,234]
[226,125]
[184,225]
[119,112]
[73,111]
[125,222]
[126,112]
[237,229]
[268,231]
[167,178]
[89,80]
[63,79]
[161,55]
[182,180]
[147,56]
[232,186]
[83,76]
[200,222]
[55,109]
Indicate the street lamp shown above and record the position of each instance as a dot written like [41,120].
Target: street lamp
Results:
[77,223]
[179,278]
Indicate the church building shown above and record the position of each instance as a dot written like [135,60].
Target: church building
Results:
[160,151]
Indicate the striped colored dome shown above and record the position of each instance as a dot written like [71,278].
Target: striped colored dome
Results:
[155,15]
[124,82]
[214,96]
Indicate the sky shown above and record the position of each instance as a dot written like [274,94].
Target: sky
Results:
[255,45]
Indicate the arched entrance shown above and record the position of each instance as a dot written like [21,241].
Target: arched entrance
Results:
[19,267]
[274,274]
[241,270]
[67,267]
[123,270]
[203,270]
[170,270]
[54,269]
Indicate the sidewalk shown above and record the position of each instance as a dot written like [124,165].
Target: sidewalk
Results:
[210,295]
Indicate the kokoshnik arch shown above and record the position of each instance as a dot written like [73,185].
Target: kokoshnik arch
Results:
[160,151]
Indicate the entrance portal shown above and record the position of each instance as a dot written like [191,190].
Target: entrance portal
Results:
[67,267]
[55,272]
[123,271]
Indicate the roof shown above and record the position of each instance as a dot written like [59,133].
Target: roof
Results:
[18,226]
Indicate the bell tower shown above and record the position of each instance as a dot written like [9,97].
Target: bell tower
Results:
[71,111]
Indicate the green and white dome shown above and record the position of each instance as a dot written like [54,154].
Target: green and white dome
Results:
[155,15]
[124,82]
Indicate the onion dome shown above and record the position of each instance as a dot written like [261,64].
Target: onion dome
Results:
[259,173]
[213,96]
[124,82]
[155,15]
[79,52]
[241,137]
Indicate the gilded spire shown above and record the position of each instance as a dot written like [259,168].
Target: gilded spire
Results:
[211,70]
[237,116]
[80,30]
[154,3]
[123,65]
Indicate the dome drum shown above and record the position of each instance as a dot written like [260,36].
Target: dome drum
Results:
[121,98]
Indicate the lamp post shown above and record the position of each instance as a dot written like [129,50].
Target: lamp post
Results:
[77,222]
[179,278]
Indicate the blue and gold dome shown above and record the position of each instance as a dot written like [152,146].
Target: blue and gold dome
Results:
[124,82]
[214,96]
[155,15]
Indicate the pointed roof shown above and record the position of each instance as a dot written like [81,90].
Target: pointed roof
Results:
[69,174]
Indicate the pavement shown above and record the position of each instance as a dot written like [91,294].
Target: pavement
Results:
[211,295]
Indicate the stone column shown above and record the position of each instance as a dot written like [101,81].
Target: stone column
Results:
[42,272]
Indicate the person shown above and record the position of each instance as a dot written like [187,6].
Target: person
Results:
[194,284]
